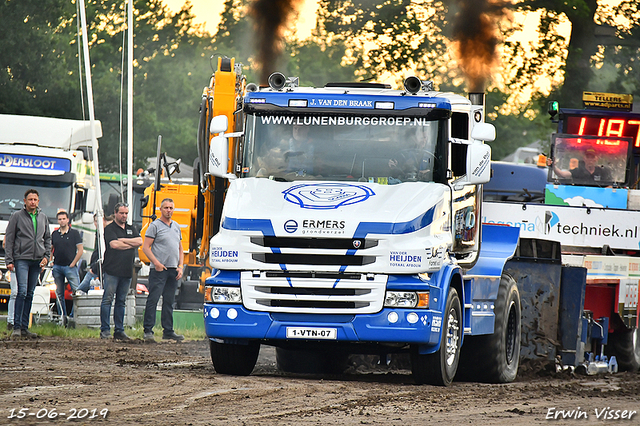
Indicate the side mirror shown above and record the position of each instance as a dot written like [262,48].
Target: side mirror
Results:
[483,132]
[87,218]
[90,204]
[478,170]
[219,157]
[219,124]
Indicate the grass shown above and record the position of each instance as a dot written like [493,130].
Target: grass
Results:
[48,329]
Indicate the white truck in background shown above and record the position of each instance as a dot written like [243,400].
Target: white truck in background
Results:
[54,157]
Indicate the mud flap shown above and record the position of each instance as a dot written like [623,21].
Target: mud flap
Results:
[537,269]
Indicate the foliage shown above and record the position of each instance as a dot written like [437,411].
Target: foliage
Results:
[35,46]
[171,68]
[315,61]
[518,128]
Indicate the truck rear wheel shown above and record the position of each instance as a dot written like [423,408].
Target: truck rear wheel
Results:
[625,346]
[233,359]
[440,368]
[494,358]
[311,362]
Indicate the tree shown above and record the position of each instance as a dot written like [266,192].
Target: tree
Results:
[171,54]
[398,35]
[37,66]
[315,61]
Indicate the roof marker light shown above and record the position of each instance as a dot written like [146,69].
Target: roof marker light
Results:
[384,105]
[298,103]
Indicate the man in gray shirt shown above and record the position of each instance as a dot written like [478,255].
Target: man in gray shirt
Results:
[163,247]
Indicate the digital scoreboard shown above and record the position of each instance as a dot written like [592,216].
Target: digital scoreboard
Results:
[602,123]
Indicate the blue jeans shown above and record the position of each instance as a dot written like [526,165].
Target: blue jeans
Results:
[118,286]
[161,283]
[85,285]
[59,274]
[27,273]
[12,299]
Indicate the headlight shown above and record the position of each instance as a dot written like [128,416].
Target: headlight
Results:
[217,294]
[406,299]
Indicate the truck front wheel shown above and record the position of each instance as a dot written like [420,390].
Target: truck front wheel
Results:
[440,368]
[626,348]
[233,359]
[494,358]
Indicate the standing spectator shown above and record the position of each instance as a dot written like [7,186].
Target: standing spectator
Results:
[67,251]
[94,263]
[163,247]
[27,250]
[121,241]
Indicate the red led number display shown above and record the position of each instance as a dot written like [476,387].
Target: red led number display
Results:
[604,126]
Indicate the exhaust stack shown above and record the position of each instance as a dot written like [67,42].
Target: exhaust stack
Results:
[476,98]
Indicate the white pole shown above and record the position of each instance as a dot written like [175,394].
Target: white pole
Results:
[94,139]
[130,111]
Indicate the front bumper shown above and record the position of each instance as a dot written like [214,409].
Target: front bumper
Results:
[232,322]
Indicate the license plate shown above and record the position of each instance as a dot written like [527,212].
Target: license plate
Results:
[312,333]
[6,291]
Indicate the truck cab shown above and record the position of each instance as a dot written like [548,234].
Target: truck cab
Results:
[349,226]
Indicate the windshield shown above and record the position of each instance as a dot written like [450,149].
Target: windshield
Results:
[54,196]
[589,161]
[381,149]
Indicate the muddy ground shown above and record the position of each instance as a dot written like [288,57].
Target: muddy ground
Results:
[172,383]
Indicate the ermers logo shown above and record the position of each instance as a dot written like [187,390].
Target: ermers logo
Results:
[324,196]
[291,226]
[323,227]
[312,226]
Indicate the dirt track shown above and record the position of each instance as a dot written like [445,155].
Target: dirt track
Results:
[175,384]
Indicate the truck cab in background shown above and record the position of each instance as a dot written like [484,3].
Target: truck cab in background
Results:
[53,156]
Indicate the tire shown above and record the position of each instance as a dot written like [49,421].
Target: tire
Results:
[235,360]
[440,368]
[311,362]
[495,358]
[625,345]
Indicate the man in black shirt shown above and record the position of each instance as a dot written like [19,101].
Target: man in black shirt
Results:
[588,170]
[121,242]
[67,251]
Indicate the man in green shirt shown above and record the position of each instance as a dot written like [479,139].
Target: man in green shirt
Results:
[27,250]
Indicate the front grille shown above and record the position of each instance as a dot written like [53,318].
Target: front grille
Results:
[312,274]
[315,243]
[335,251]
[300,292]
[314,291]
[313,259]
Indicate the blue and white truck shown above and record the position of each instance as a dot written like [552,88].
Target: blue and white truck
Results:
[351,224]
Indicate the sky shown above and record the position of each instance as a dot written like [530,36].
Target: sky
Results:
[208,12]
